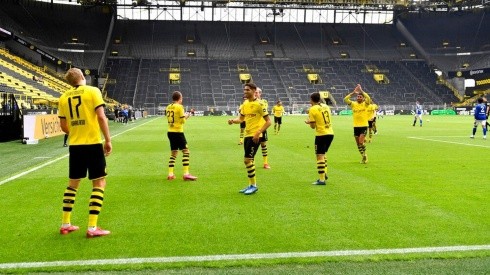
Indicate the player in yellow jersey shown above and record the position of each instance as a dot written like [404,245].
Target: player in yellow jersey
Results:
[242,127]
[82,117]
[361,116]
[277,110]
[254,113]
[264,138]
[320,119]
[372,111]
[176,117]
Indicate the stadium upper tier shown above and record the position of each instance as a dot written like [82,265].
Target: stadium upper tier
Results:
[209,54]
[79,35]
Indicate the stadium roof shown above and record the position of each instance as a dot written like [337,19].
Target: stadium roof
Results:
[422,5]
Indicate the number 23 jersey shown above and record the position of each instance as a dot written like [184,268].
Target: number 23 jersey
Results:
[175,117]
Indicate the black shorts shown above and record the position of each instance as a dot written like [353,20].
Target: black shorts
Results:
[360,131]
[264,137]
[177,141]
[371,122]
[322,143]
[278,119]
[87,157]
[250,147]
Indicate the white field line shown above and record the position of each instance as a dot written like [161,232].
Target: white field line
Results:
[451,142]
[57,159]
[450,136]
[231,257]
[31,170]
[335,253]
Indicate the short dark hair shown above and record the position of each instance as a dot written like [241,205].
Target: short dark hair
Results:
[480,100]
[315,97]
[176,95]
[328,101]
[251,86]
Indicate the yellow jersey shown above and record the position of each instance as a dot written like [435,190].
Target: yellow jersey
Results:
[254,113]
[265,104]
[175,117]
[359,110]
[241,106]
[372,109]
[278,110]
[322,117]
[78,106]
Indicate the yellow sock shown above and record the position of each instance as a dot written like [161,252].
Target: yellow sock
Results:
[171,165]
[68,202]
[251,173]
[320,165]
[95,205]
[185,163]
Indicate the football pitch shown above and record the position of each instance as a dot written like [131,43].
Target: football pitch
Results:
[421,205]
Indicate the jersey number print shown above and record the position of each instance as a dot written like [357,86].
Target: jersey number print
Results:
[170,114]
[326,118]
[79,99]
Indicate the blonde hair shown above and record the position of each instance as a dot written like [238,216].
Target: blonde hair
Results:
[74,76]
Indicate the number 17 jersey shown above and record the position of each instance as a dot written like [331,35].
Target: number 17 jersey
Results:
[78,106]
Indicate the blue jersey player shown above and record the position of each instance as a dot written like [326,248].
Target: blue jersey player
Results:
[480,118]
[418,113]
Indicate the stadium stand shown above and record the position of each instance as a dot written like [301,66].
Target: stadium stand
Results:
[466,31]
[150,59]
[83,29]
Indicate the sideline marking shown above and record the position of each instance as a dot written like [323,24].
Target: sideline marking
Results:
[59,158]
[451,142]
[247,256]
[32,170]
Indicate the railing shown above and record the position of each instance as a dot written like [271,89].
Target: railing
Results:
[453,89]
[294,109]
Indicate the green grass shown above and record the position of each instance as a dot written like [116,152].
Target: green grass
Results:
[423,187]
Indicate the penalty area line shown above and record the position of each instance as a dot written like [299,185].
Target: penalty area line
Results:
[450,142]
[313,254]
